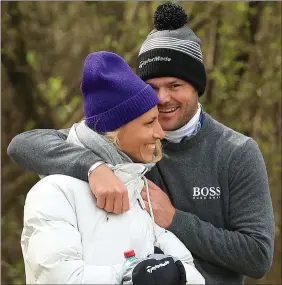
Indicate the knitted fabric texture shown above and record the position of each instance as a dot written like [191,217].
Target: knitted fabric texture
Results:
[172,52]
[113,94]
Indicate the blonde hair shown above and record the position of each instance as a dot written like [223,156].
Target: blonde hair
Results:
[113,138]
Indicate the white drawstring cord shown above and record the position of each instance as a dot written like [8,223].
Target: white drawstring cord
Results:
[149,200]
[141,199]
[150,205]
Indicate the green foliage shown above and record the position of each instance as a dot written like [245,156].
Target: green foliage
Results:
[32,60]
[44,45]
[53,90]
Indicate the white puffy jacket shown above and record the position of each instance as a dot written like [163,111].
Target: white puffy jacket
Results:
[68,240]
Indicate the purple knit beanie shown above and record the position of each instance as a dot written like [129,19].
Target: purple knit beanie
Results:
[113,94]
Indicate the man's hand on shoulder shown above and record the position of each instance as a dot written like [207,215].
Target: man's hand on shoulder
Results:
[110,192]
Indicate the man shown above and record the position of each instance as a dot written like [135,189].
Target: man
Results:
[211,188]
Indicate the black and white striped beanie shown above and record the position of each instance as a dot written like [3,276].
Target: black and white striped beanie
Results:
[172,49]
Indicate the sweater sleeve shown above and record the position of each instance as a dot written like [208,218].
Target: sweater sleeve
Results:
[51,242]
[46,152]
[248,246]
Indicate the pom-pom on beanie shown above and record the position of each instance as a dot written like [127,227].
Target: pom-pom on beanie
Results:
[172,49]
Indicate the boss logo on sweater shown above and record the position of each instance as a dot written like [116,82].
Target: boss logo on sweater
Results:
[150,269]
[206,193]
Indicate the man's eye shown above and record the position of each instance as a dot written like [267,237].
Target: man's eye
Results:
[175,85]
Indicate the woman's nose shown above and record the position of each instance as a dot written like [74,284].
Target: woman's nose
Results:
[159,133]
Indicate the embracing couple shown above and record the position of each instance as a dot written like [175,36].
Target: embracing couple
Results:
[189,195]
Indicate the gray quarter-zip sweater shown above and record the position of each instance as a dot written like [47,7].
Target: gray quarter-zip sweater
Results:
[216,180]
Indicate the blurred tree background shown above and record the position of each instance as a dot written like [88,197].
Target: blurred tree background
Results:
[44,45]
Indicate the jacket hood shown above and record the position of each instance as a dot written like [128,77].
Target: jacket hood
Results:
[82,135]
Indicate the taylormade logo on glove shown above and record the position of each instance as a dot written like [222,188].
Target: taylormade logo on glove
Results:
[150,269]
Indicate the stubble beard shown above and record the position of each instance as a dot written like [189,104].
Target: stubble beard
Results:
[186,117]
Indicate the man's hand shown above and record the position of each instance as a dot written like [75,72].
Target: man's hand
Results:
[110,192]
[162,207]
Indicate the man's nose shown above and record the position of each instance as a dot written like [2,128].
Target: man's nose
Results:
[163,95]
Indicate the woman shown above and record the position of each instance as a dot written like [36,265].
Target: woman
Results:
[66,237]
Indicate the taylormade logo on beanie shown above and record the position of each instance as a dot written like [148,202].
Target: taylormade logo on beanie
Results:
[172,39]
[156,58]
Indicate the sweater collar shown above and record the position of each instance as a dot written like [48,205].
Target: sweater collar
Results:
[188,130]
[188,142]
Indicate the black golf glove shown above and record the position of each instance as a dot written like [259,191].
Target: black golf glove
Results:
[156,269]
